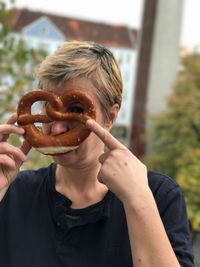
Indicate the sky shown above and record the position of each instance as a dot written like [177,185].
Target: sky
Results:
[126,12]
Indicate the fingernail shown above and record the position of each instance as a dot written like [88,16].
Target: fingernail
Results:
[89,123]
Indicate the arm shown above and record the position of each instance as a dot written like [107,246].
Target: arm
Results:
[11,158]
[149,242]
[126,176]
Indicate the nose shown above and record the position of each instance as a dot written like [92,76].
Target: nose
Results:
[59,127]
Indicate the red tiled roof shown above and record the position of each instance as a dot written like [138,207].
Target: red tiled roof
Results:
[75,29]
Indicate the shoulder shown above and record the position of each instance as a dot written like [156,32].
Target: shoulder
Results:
[28,182]
[172,208]
[159,181]
[33,176]
[164,189]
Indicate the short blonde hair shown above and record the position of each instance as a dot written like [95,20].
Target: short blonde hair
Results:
[75,60]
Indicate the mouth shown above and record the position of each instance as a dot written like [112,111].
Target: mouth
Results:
[59,150]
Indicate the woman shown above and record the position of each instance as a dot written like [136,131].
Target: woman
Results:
[90,207]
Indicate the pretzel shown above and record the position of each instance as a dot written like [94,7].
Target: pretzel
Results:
[55,111]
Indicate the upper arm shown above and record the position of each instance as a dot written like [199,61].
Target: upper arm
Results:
[172,208]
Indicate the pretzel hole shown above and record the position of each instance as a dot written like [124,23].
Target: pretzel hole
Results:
[75,107]
[38,125]
[38,107]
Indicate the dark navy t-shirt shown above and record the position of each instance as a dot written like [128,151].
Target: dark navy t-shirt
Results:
[39,229]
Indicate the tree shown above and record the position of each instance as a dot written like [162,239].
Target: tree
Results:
[176,136]
[17,64]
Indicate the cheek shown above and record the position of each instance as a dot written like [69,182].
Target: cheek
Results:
[92,144]
[100,118]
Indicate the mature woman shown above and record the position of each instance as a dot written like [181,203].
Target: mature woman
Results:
[90,207]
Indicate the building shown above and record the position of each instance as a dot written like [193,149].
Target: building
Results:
[48,31]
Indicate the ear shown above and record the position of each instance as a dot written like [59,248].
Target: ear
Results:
[112,116]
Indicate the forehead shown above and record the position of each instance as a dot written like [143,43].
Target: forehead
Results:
[82,84]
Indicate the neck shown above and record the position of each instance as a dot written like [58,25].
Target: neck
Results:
[80,186]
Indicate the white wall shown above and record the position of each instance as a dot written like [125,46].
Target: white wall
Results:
[165,54]
[127,60]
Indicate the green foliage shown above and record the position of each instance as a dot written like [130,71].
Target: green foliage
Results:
[17,64]
[176,138]
[188,176]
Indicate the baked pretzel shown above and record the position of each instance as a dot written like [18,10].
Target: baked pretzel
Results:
[56,110]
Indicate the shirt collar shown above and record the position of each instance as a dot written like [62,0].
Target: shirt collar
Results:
[66,217]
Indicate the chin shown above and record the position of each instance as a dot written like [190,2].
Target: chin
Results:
[67,158]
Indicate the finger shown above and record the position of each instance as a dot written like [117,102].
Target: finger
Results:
[10,150]
[25,146]
[7,165]
[6,129]
[4,132]
[7,161]
[110,141]
[9,128]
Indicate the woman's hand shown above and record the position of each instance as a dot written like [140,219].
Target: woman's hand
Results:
[126,176]
[11,158]
[121,171]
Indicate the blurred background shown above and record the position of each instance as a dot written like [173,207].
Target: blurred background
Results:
[157,44]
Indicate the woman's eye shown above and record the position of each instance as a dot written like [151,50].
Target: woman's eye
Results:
[76,108]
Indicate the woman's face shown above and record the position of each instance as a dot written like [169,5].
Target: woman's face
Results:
[92,147]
